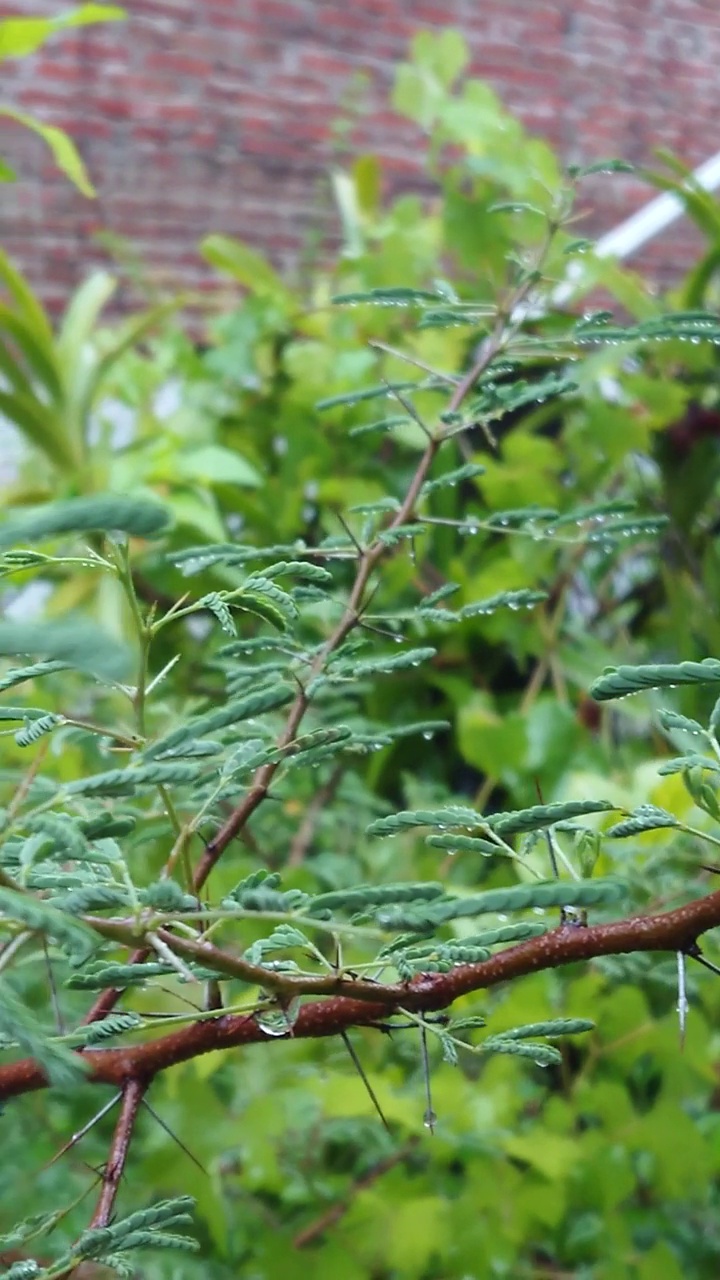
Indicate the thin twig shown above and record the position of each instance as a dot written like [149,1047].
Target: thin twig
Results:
[336,1211]
[304,835]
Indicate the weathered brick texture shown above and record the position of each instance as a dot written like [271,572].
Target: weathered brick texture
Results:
[215,115]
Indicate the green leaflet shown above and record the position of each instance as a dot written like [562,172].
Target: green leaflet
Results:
[303,570]
[621,681]
[384,664]
[285,937]
[636,527]
[373,393]
[441,818]
[544,815]
[382,424]
[516,517]
[467,472]
[92,897]
[107,824]
[647,817]
[262,596]
[542,894]
[166,895]
[442,593]
[22,713]
[147,1228]
[62,1067]
[394,297]
[97,977]
[115,1024]
[101,513]
[75,643]
[498,399]
[541,1054]
[36,669]
[671,720]
[125,781]
[505,933]
[523,599]
[368,897]
[680,764]
[255,704]
[600,166]
[554,1027]
[36,729]
[391,537]
[466,844]
[77,941]
[594,512]
[196,559]
[215,602]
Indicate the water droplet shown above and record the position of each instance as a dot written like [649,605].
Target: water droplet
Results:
[272,1024]
[427,735]
[430,1119]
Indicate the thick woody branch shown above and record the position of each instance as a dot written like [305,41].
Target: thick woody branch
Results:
[132,1096]
[671,931]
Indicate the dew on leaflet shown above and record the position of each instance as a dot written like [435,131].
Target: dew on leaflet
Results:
[539,911]
[427,736]
[502,919]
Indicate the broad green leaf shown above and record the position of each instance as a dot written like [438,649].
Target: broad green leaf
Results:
[65,153]
[103,513]
[26,301]
[215,464]
[77,643]
[35,347]
[40,425]
[22,36]
[246,266]
[78,323]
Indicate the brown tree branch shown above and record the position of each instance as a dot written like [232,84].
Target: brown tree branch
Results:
[676,930]
[132,1096]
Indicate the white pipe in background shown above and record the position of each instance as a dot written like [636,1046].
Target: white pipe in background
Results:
[640,227]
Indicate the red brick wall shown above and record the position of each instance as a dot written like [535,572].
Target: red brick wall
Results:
[215,115]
